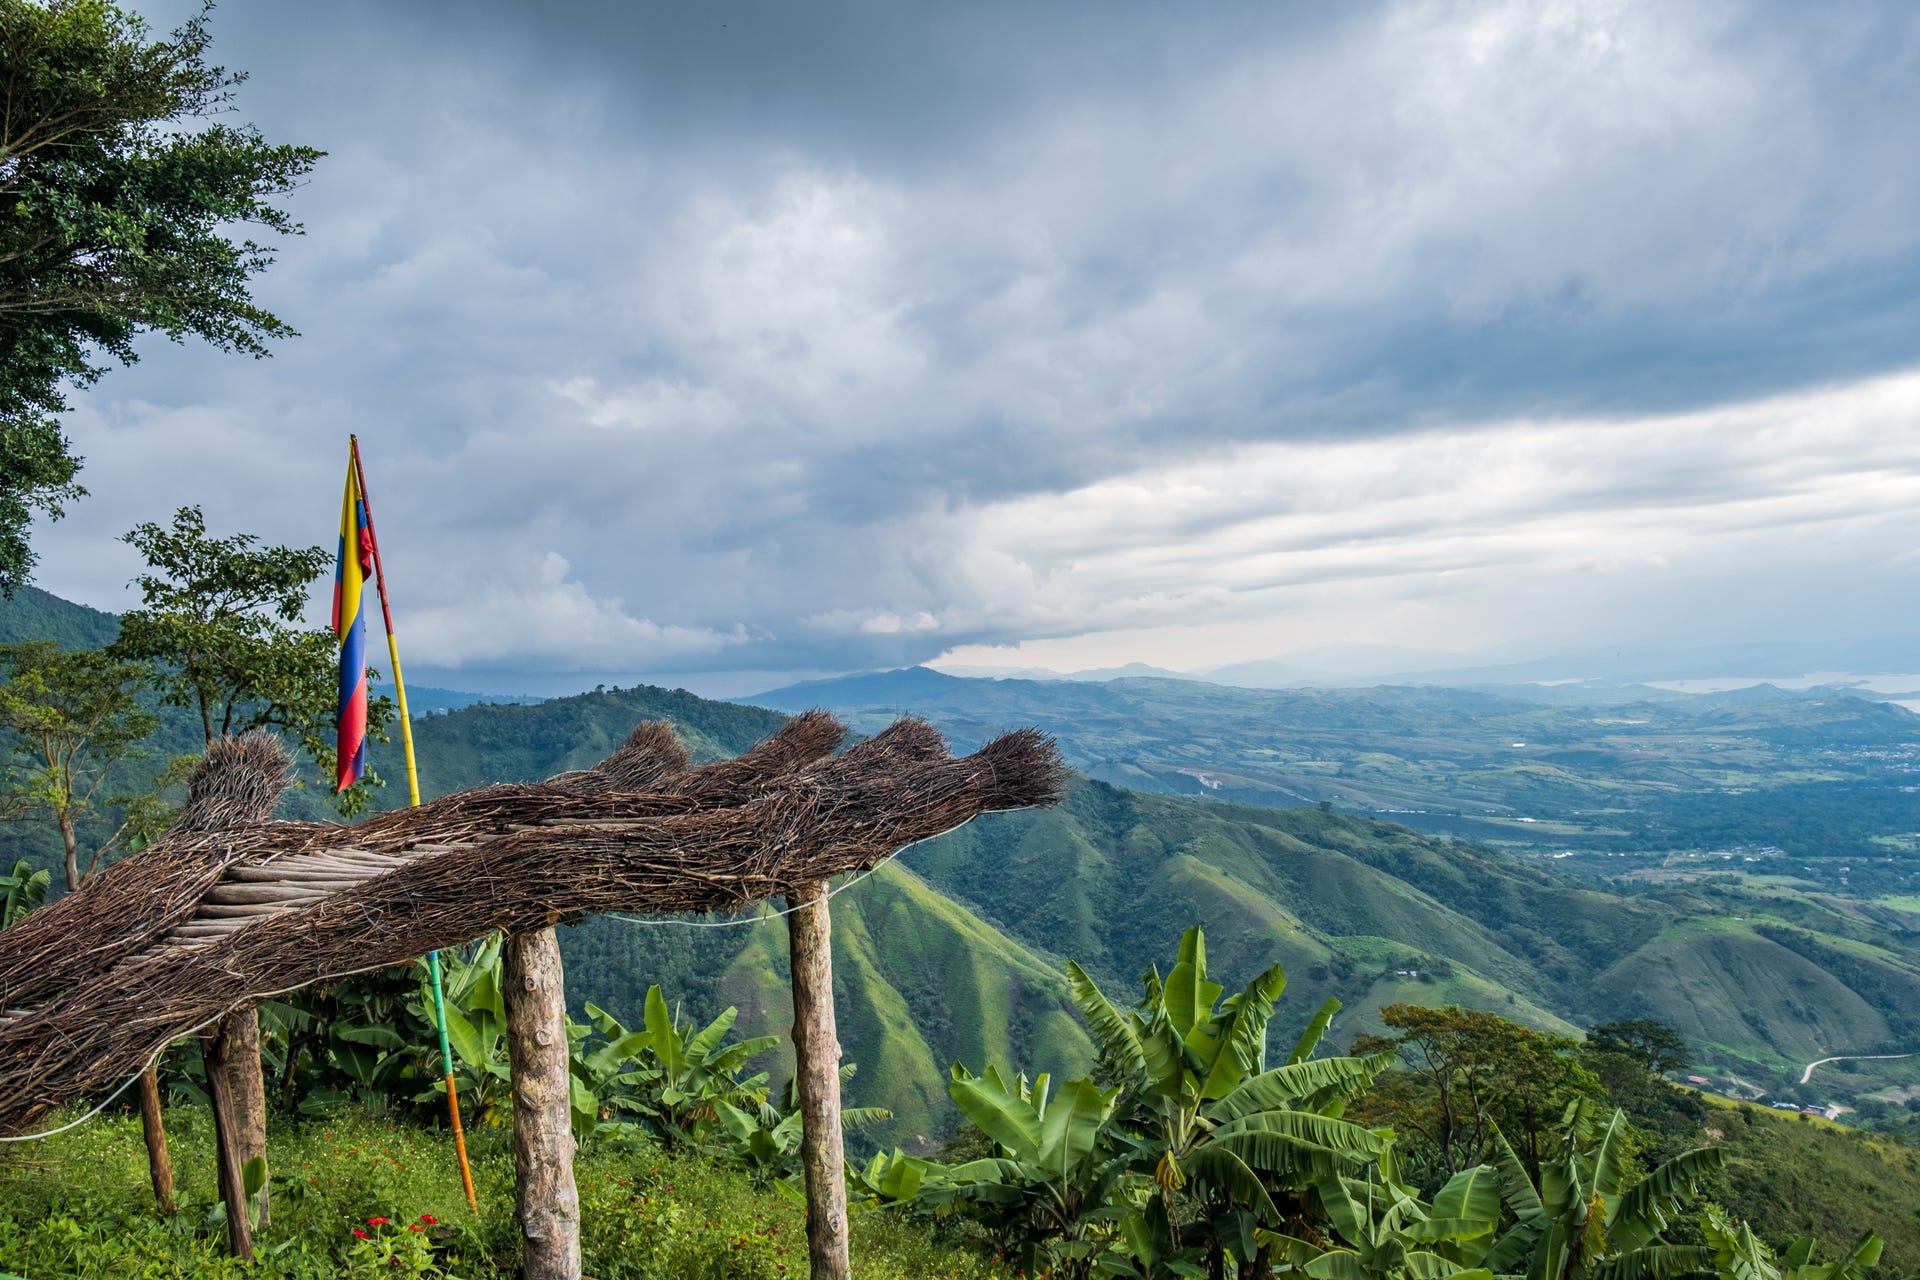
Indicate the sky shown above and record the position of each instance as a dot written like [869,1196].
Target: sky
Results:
[727,345]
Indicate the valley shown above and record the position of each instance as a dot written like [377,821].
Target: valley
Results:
[956,951]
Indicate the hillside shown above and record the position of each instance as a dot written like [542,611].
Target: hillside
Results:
[968,933]
[1809,784]
[920,982]
[956,952]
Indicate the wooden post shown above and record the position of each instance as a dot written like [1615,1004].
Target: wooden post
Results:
[216,1050]
[159,1163]
[544,1192]
[816,1051]
[249,1094]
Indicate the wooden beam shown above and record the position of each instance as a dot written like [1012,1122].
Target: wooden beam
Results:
[250,1095]
[216,1051]
[816,1050]
[545,1196]
[154,1130]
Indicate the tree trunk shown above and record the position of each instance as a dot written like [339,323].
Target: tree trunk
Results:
[73,856]
[249,1094]
[159,1162]
[545,1195]
[216,1047]
[816,1051]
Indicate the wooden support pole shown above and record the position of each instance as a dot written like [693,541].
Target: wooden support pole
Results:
[216,1050]
[154,1130]
[816,1051]
[545,1195]
[249,1095]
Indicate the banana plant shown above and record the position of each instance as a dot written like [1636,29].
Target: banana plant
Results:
[767,1141]
[1048,1196]
[670,1075]
[22,890]
[476,1033]
[1583,1221]
[1740,1255]
[1384,1232]
[1232,1145]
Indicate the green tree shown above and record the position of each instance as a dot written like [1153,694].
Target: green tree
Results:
[74,717]
[119,196]
[1466,1071]
[221,617]
[1656,1045]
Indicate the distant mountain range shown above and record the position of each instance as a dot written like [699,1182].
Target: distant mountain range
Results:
[1813,776]
[1594,673]
[955,952]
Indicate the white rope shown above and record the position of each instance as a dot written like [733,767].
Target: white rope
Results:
[107,1102]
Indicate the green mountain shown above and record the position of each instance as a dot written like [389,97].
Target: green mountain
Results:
[956,951]
[919,981]
[33,614]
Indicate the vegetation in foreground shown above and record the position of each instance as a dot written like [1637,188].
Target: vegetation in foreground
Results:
[80,1205]
[1463,1146]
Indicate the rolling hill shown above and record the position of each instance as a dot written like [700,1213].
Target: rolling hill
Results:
[1814,784]
[956,951]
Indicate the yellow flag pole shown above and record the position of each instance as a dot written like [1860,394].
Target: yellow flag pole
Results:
[413,798]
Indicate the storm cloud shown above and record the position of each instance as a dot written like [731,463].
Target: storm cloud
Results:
[727,343]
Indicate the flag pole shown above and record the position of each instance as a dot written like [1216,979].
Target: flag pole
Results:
[413,798]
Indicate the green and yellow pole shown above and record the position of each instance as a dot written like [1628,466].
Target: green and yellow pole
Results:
[413,798]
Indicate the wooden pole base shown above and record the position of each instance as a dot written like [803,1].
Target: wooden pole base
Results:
[217,1051]
[250,1095]
[816,1049]
[545,1194]
[154,1130]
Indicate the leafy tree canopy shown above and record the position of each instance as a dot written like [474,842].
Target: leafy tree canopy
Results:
[118,196]
[1646,1040]
[71,716]
[221,617]
[1467,1071]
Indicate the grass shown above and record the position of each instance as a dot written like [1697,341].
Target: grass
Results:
[1800,1174]
[79,1205]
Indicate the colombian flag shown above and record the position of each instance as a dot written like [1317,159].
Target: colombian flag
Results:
[351,573]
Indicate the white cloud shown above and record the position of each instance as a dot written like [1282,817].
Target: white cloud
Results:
[529,611]
[1781,490]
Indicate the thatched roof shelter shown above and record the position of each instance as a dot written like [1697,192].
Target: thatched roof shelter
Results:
[229,907]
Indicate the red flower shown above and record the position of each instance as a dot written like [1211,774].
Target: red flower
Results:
[378,1222]
[361,1235]
[429,1219]
[414,1226]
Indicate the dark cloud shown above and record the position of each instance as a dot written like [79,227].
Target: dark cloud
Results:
[707,338]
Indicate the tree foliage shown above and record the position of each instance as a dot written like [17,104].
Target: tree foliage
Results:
[1197,1153]
[72,717]
[1466,1073]
[221,618]
[119,195]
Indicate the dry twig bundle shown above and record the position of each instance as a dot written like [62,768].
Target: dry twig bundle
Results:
[229,908]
